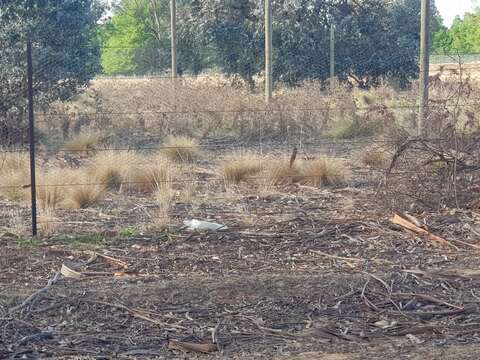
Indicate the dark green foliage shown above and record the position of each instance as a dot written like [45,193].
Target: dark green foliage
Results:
[65,57]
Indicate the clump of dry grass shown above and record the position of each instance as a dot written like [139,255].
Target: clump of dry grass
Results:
[111,168]
[14,175]
[164,194]
[281,173]
[14,161]
[324,171]
[68,188]
[52,186]
[373,156]
[14,184]
[151,173]
[87,141]
[83,192]
[239,167]
[83,196]
[160,219]
[181,149]
[48,222]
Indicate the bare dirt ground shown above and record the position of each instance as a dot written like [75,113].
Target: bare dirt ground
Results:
[309,274]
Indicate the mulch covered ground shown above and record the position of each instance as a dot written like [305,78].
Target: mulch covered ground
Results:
[312,276]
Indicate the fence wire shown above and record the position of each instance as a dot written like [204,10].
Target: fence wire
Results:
[129,147]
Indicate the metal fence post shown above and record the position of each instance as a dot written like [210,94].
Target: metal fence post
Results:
[332,50]
[424,66]
[268,51]
[173,37]
[31,133]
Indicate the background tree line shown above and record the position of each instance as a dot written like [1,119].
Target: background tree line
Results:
[73,42]
[463,37]
[374,38]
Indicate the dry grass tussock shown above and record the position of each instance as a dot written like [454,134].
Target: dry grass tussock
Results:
[14,184]
[83,196]
[281,173]
[151,173]
[48,222]
[181,149]
[52,186]
[111,168]
[67,188]
[14,161]
[324,171]
[14,175]
[86,141]
[373,156]
[238,167]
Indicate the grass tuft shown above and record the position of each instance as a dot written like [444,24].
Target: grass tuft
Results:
[52,187]
[14,184]
[323,172]
[47,222]
[87,141]
[83,196]
[372,156]
[111,168]
[239,167]
[281,173]
[151,174]
[181,149]
[17,161]
[353,128]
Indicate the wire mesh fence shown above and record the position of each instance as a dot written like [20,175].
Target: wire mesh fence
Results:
[121,144]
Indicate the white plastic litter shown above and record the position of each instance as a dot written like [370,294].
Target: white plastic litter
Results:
[200,225]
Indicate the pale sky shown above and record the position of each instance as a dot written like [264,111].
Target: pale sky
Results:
[450,8]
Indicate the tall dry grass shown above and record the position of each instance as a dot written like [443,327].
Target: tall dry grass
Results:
[14,175]
[181,148]
[240,166]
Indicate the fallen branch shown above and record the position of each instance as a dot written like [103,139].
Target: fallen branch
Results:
[437,240]
[458,273]
[136,313]
[35,295]
[429,298]
[380,261]
[205,348]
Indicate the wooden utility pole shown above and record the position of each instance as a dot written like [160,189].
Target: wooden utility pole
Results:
[268,51]
[173,36]
[424,66]
[332,50]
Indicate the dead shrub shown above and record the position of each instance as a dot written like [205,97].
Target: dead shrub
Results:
[440,169]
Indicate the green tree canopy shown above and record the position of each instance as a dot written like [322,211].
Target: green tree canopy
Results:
[463,37]
[374,38]
[136,40]
[62,33]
